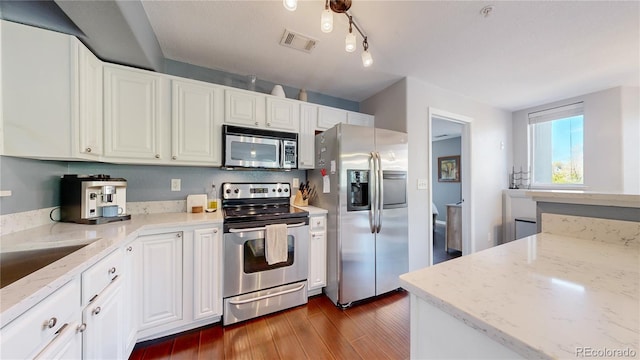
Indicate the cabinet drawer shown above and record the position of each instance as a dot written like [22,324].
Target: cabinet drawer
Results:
[28,334]
[316,223]
[96,278]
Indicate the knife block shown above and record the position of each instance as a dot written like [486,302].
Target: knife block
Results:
[299,201]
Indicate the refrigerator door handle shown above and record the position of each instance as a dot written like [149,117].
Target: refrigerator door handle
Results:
[372,192]
[380,185]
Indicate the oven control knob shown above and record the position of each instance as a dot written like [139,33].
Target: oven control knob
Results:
[286,190]
[228,191]
[236,190]
[279,190]
[273,190]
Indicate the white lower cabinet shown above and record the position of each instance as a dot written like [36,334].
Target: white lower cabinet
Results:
[207,273]
[44,329]
[129,297]
[66,345]
[103,334]
[159,262]
[317,254]
[179,280]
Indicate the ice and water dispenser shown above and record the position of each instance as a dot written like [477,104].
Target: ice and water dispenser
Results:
[358,190]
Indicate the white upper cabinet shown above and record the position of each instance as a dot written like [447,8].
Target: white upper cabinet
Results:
[283,114]
[51,95]
[195,132]
[328,117]
[306,136]
[244,108]
[354,118]
[90,104]
[133,115]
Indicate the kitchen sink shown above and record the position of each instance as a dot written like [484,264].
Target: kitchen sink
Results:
[18,264]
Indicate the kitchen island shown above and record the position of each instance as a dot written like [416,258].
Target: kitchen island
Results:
[544,296]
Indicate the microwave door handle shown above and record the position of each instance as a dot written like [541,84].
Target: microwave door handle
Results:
[281,160]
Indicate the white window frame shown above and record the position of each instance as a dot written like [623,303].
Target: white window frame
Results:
[548,115]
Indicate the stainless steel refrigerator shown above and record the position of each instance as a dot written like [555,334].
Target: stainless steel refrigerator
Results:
[360,177]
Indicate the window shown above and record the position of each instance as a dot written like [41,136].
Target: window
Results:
[556,143]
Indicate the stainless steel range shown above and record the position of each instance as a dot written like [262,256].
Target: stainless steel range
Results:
[253,284]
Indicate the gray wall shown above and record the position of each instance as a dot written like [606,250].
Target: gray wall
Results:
[35,184]
[445,192]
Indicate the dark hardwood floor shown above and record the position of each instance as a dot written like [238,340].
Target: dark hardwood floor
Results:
[439,252]
[377,329]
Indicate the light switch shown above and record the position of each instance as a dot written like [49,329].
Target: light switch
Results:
[423,184]
[296,183]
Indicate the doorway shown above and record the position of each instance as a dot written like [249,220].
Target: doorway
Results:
[449,193]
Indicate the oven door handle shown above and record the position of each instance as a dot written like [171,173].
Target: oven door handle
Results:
[263,228]
[242,302]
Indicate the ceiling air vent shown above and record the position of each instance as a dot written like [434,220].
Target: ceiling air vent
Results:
[297,41]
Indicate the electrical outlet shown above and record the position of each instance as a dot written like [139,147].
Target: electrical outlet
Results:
[175,184]
[296,183]
[423,184]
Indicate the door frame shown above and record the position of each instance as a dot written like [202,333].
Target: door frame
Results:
[468,244]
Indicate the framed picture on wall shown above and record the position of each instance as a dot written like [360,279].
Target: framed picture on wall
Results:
[449,168]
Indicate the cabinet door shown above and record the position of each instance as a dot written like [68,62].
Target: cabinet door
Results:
[317,260]
[160,270]
[244,108]
[66,345]
[354,118]
[207,273]
[283,114]
[103,336]
[194,135]
[89,103]
[132,113]
[328,117]
[130,290]
[306,137]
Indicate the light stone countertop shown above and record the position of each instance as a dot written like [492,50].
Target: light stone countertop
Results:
[585,197]
[21,295]
[312,210]
[542,296]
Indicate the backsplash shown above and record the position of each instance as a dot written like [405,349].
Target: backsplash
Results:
[35,184]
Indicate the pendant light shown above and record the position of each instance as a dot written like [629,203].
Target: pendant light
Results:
[326,20]
[350,40]
[290,5]
[367,60]
[326,25]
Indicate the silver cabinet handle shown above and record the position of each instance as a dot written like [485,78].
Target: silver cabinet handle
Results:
[51,323]
[240,302]
[178,235]
[157,156]
[129,248]
[82,327]
[112,270]
[174,157]
[256,123]
[62,328]
[268,124]
[96,311]
[215,231]
[88,150]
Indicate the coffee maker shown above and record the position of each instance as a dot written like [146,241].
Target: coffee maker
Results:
[93,199]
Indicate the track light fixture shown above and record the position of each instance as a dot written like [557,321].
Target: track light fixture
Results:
[326,25]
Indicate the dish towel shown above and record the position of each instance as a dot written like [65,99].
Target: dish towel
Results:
[275,243]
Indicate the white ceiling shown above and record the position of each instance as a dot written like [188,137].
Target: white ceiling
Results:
[523,54]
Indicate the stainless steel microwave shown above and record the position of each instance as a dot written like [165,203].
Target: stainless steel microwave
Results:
[258,148]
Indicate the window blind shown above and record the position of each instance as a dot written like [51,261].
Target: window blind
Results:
[556,113]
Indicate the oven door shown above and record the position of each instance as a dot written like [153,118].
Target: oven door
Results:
[252,151]
[245,267]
